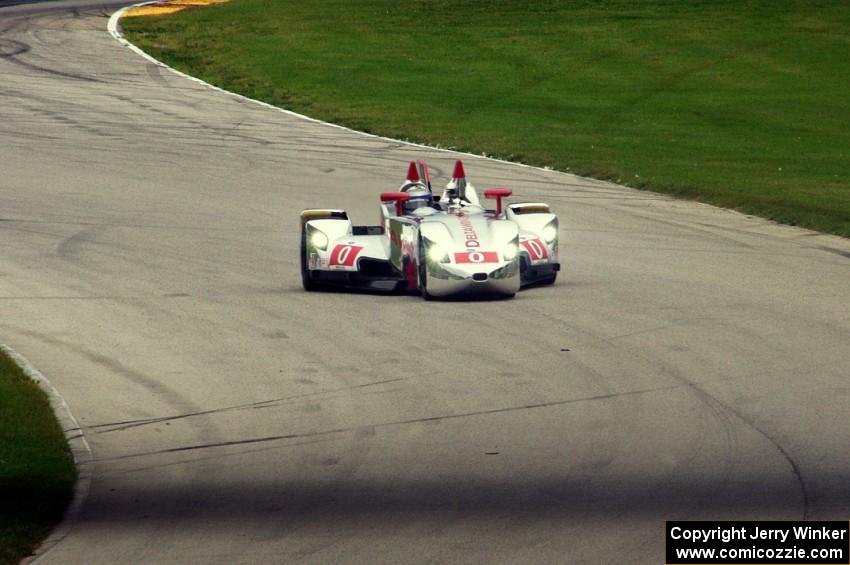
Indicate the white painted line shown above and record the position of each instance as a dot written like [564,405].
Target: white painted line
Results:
[80,450]
[115,30]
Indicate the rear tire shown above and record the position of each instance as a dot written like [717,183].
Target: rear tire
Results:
[306,280]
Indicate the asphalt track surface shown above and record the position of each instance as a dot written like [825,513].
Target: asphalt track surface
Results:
[689,363]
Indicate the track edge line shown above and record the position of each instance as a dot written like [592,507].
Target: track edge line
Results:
[114,28]
[80,451]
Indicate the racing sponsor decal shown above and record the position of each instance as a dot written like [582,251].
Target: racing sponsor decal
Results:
[469,232]
[344,255]
[477,257]
[314,261]
[536,250]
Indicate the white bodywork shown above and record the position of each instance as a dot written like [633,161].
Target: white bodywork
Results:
[455,247]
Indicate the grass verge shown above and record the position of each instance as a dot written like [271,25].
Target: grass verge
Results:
[741,104]
[37,471]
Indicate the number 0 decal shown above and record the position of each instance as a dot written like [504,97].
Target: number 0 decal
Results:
[344,255]
[536,249]
[477,257]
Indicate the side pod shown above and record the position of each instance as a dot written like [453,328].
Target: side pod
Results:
[318,228]
[539,232]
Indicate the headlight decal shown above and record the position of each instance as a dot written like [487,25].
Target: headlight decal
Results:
[436,253]
[510,250]
[550,231]
[317,238]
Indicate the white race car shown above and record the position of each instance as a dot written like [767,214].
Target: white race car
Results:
[439,246]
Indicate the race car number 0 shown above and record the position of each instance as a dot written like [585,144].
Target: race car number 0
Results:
[344,255]
[535,249]
[477,257]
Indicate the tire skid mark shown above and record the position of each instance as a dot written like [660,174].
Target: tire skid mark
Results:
[228,131]
[71,246]
[795,468]
[25,102]
[128,424]
[216,457]
[723,410]
[10,48]
[159,389]
[367,427]
[52,72]
[158,227]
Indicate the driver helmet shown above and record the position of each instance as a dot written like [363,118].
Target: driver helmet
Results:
[419,198]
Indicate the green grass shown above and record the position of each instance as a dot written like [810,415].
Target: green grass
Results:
[742,104]
[37,472]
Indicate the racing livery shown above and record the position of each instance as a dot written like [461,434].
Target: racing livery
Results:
[439,246]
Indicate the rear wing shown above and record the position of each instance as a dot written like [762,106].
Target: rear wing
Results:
[529,208]
[323,214]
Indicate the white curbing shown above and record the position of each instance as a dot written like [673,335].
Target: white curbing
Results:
[115,30]
[80,450]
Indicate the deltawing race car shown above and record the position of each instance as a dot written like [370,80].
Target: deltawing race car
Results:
[439,246]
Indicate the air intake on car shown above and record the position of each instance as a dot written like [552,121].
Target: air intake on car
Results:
[479,277]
